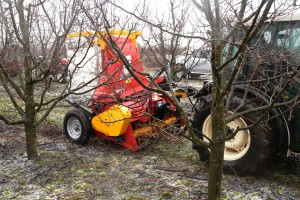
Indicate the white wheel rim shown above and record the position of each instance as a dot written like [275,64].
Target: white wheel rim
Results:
[236,147]
[74,128]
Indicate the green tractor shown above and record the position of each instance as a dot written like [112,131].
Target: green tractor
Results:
[275,58]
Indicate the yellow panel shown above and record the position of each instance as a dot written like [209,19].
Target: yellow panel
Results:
[132,34]
[113,122]
[180,93]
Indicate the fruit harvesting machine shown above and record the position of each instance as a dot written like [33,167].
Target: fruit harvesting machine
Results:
[121,109]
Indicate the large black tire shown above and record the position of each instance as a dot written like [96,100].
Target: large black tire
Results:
[254,146]
[77,126]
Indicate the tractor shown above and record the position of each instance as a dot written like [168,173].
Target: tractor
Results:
[120,109]
[275,60]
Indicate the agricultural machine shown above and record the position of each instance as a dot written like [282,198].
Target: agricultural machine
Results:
[122,110]
[271,64]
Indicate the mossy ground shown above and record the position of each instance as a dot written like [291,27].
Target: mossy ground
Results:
[164,169]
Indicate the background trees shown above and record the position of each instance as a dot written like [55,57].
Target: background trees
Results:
[230,29]
[33,57]
[22,28]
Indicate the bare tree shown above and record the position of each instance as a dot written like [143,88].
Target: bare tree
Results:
[241,110]
[33,54]
[245,124]
[169,46]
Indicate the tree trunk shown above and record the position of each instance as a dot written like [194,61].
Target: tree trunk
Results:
[217,150]
[31,142]
[30,112]
[30,117]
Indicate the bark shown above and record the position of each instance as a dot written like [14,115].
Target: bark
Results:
[31,141]
[30,113]
[218,128]
[217,108]
[217,147]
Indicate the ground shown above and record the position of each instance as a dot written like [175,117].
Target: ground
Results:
[165,168]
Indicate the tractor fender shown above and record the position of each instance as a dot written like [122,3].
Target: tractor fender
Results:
[276,112]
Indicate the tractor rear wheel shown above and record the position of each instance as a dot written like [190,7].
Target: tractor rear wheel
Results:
[77,126]
[248,151]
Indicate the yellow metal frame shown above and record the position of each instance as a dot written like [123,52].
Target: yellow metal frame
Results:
[151,130]
[131,34]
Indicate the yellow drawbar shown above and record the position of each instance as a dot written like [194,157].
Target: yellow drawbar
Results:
[113,122]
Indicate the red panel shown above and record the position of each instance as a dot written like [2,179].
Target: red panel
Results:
[116,86]
[129,139]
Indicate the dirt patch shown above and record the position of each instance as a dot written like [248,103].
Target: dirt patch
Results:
[162,169]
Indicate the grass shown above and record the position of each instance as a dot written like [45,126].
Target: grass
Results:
[55,117]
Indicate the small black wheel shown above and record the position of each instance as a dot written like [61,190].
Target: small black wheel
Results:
[248,151]
[77,126]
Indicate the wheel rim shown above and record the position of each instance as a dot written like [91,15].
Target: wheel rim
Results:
[74,128]
[236,147]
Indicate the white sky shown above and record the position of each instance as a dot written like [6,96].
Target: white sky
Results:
[158,9]
[161,9]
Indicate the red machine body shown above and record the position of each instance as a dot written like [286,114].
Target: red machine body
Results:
[146,110]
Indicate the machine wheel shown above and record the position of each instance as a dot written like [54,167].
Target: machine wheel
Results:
[77,126]
[248,151]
